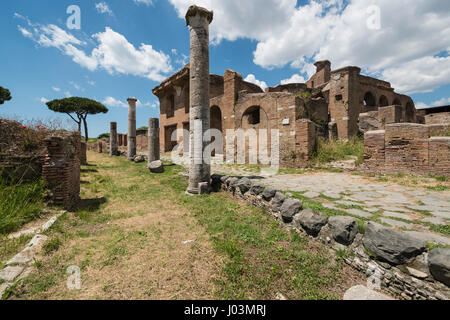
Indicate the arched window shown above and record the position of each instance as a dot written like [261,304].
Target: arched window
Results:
[253,115]
[384,101]
[369,100]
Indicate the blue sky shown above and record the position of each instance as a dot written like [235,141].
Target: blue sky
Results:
[126,47]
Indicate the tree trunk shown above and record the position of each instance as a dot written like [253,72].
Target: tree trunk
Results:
[85,129]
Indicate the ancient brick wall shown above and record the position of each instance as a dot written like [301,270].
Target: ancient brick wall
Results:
[61,168]
[389,115]
[305,139]
[408,148]
[438,118]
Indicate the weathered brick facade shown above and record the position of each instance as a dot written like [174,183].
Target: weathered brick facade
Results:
[337,97]
[408,148]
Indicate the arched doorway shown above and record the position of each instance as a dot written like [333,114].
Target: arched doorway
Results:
[369,102]
[216,123]
[409,112]
[383,101]
[397,102]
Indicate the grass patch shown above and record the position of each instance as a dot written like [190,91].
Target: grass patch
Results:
[19,204]
[52,245]
[334,150]
[438,188]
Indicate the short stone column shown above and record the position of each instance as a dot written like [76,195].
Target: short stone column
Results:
[153,140]
[198,19]
[131,128]
[113,150]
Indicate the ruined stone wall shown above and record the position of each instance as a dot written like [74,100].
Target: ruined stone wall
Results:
[438,118]
[389,115]
[61,168]
[408,148]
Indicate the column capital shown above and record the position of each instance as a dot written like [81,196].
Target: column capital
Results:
[200,11]
[132,100]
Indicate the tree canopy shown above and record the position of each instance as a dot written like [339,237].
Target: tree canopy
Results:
[5,95]
[81,107]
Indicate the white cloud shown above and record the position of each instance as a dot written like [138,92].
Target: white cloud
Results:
[102,7]
[442,102]
[67,94]
[252,79]
[112,102]
[92,83]
[113,52]
[146,2]
[412,35]
[56,89]
[116,55]
[296,78]
[44,100]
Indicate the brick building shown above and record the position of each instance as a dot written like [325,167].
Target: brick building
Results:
[331,99]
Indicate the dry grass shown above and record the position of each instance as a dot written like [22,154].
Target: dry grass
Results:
[128,239]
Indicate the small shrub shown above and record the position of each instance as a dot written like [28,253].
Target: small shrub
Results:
[334,150]
[52,245]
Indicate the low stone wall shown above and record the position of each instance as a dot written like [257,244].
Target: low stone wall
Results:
[61,168]
[391,259]
[438,118]
[408,148]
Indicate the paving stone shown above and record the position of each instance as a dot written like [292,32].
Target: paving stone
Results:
[426,236]
[359,213]
[396,223]
[331,206]
[348,203]
[371,210]
[398,215]
[332,195]
[435,220]
[394,209]
[311,194]
[10,273]
[363,293]
[20,258]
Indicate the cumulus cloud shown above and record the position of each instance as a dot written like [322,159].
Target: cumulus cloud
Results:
[413,38]
[56,89]
[44,100]
[102,7]
[252,79]
[296,78]
[112,53]
[438,103]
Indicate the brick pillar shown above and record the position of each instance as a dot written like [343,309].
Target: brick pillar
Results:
[61,168]
[198,19]
[113,151]
[99,146]
[131,128]
[153,140]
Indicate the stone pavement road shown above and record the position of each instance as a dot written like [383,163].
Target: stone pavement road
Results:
[411,209]
[415,210]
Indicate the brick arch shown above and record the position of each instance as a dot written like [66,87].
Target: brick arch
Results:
[383,101]
[254,117]
[397,102]
[216,117]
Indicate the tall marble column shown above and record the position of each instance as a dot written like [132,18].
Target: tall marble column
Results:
[153,140]
[198,19]
[113,150]
[131,128]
